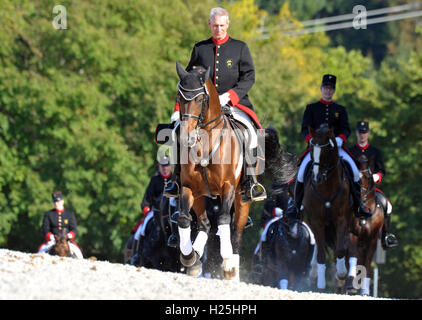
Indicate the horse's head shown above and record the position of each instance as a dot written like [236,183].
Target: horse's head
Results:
[366,172]
[193,99]
[61,248]
[324,152]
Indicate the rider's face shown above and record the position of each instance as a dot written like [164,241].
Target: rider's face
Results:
[327,92]
[59,205]
[165,170]
[218,26]
[362,137]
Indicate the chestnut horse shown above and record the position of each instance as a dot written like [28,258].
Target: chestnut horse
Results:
[364,237]
[211,165]
[61,248]
[327,203]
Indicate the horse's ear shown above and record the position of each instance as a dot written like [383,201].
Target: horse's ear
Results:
[207,74]
[181,72]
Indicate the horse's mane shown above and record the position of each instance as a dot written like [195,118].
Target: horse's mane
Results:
[280,164]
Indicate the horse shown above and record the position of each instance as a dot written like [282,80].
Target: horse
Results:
[327,202]
[213,168]
[61,247]
[154,251]
[287,260]
[364,237]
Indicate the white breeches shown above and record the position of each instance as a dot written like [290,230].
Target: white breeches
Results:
[343,154]
[73,248]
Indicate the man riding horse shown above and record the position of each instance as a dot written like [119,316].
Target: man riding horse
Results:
[362,147]
[232,72]
[335,115]
[55,221]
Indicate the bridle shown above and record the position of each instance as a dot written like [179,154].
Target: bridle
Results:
[326,170]
[367,191]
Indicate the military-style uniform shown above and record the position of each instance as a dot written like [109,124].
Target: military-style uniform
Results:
[333,114]
[231,69]
[154,191]
[377,166]
[54,222]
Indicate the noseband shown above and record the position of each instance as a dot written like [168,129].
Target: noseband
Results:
[325,169]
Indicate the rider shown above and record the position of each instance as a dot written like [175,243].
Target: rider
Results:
[55,221]
[233,74]
[362,147]
[152,194]
[335,115]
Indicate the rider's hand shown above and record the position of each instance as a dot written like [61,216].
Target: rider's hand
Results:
[376,177]
[52,237]
[339,142]
[224,98]
[70,235]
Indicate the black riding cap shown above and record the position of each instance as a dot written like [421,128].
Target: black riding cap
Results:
[362,126]
[57,196]
[192,84]
[329,80]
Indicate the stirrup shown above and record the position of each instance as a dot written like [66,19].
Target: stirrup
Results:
[261,195]
[393,243]
[174,217]
[172,191]
[173,241]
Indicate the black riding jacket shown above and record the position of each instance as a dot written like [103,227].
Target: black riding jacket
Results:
[153,192]
[377,166]
[333,114]
[232,68]
[54,222]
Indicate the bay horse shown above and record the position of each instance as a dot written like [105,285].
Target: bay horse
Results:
[327,202]
[61,247]
[364,237]
[213,167]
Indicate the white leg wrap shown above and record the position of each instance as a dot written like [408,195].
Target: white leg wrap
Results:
[365,286]
[284,284]
[353,262]
[75,250]
[200,242]
[321,276]
[226,249]
[233,263]
[341,267]
[185,241]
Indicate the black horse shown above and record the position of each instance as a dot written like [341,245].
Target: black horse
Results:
[287,260]
[153,250]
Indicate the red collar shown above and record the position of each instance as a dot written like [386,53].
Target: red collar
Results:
[60,211]
[325,102]
[364,147]
[165,177]
[226,38]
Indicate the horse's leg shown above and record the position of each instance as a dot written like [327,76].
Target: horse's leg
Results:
[188,256]
[229,253]
[320,242]
[342,239]
[367,259]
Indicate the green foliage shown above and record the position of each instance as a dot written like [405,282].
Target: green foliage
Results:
[79,107]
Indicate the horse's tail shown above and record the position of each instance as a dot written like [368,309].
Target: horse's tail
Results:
[280,165]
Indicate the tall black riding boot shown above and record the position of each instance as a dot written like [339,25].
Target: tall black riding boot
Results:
[299,192]
[389,240]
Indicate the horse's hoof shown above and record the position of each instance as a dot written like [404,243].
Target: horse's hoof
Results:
[196,269]
[231,268]
[190,259]
[350,289]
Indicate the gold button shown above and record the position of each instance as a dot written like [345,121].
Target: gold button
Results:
[218,47]
[216,77]
[216,69]
[218,54]
[216,85]
[216,61]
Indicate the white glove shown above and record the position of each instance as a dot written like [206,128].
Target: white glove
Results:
[69,235]
[339,142]
[278,212]
[175,116]
[224,98]
[52,237]
[376,177]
